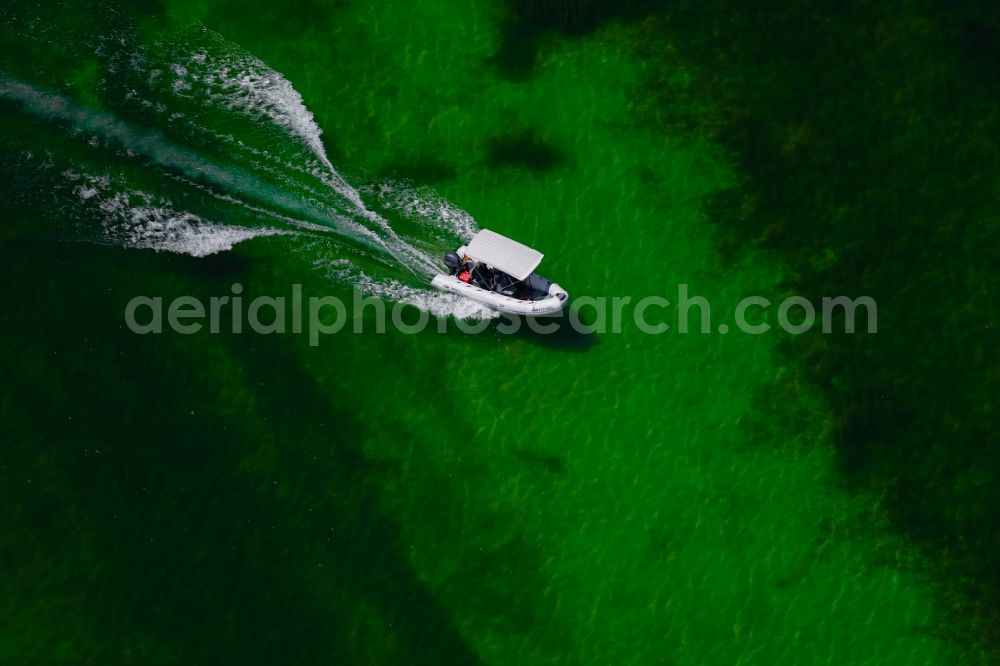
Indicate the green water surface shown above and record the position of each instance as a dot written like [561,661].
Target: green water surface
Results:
[618,498]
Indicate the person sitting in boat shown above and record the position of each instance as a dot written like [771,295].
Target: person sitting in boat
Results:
[484,276]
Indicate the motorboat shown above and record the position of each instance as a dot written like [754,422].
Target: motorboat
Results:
[500,273]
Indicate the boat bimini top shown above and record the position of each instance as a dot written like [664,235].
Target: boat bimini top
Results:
[516,260]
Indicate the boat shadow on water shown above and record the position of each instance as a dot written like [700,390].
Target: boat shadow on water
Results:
[553,331]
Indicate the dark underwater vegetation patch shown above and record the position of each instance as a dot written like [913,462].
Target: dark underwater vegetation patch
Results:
[550,463]
[523,149]
[525,22]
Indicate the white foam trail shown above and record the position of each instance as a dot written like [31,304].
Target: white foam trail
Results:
[141,220]
[424,205]
[160,228]
[243,82]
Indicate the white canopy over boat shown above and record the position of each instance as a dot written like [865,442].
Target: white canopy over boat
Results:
[502,253]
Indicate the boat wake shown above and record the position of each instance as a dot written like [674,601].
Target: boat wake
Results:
[216,134]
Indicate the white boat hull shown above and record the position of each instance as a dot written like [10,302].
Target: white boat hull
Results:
[551,304]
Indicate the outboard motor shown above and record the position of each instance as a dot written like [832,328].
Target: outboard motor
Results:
[453,262]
